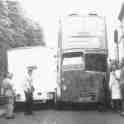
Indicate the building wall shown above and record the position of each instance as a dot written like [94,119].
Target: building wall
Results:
[121,49]
[121,40]
[122,25]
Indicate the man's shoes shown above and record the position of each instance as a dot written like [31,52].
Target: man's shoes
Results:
[11,117]
[122,114]
[118,111]
[28,113]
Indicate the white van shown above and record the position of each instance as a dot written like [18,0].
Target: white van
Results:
[43,59]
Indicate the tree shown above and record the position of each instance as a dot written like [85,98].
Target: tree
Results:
[28,33]
[16,30]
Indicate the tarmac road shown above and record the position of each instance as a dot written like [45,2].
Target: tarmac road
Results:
[65,117]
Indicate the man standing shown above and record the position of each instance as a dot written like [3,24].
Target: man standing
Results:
[28,90]
[8,91]
[122,86]
[114,86]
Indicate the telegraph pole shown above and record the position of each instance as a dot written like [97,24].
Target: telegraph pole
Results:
[117,44]
[60,51]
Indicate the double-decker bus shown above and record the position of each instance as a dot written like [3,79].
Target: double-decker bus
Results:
[82,60]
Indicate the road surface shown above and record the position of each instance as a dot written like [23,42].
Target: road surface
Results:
[65,117]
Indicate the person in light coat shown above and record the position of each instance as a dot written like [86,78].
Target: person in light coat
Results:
[122,86]
[114,85]
[8,91]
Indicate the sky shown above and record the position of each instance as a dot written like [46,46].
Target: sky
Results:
[48,12]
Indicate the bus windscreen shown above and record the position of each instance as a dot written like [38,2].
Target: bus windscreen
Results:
[73,58]
[95,62]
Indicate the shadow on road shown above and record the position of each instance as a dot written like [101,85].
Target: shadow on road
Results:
[19,107]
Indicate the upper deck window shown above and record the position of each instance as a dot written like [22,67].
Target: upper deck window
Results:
[84,32]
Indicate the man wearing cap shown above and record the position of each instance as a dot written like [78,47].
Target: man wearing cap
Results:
[28,90]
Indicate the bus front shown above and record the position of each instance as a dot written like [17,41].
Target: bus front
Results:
[83,60]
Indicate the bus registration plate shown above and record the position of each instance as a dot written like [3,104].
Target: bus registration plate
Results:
[84,99]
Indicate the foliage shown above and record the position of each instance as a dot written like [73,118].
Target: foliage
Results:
[16,30]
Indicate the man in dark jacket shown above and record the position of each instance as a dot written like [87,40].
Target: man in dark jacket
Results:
[28,90]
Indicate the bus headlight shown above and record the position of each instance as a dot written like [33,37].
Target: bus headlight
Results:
[18,96]
[64,87]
